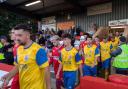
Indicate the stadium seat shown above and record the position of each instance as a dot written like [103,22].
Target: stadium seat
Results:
[5,67]
[119,79]
[89,82]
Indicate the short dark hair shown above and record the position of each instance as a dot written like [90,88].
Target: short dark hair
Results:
[112,37]
[105,37]
[122,39]
[89,37]
[25,27]
[3,37]
[97,36]
[67,36]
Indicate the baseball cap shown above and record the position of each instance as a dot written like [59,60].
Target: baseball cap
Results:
[54,37]
[122,39]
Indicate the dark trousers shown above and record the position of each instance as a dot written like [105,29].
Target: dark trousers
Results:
[122,71]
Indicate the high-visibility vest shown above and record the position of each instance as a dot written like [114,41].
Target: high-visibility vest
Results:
[1,54]
[121,61]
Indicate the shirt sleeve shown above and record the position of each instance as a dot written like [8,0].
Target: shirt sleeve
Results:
[78,58]
[41,58]
[60,59]
[98,46]
[97,52]
[117,52]
[15,60]
[15,57]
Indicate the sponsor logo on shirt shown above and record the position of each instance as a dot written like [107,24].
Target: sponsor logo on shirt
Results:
[26,57]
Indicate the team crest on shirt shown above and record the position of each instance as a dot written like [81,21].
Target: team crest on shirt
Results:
[23,67]
[70,57]
[26,57]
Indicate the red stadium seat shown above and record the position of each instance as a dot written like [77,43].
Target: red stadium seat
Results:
[77,87]
[5,67]
[120,79]
[98,83]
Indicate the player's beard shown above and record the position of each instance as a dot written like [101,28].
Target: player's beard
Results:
[20,42]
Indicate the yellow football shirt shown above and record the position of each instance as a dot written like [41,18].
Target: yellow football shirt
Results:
[31,61]
[117,39]
[70,59]
[90,53]
[114,45]
[105,49]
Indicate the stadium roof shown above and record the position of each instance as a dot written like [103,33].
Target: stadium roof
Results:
[40,8]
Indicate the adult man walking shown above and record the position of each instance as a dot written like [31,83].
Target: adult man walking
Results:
[31,62]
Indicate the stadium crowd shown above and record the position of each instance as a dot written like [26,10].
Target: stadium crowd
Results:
[71,54]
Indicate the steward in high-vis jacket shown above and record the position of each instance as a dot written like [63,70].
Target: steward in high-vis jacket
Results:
[121,57]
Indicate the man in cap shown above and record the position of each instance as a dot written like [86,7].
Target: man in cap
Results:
[54,59]
[120,62]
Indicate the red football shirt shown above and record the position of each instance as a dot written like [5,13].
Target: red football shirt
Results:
[15,49]
[82,44]
[15,82]
[54,59]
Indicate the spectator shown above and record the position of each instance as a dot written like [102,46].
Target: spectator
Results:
[121,57]
[7,50]
[1,53]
